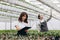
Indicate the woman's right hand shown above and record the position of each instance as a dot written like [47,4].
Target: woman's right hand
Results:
[17,27]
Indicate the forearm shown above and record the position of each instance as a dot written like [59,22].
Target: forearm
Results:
[17,28]
[49,18]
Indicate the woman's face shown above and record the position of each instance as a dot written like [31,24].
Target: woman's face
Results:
[41,17]
[23,17]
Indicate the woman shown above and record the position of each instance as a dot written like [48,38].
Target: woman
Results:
[22,23]
[43,26]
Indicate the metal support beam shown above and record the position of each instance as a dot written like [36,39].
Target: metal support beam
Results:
[51,5]
[10,23]
[5,25]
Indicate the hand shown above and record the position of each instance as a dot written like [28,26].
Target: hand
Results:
[26,30]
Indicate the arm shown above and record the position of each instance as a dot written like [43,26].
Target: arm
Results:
[17,27]
[49,17]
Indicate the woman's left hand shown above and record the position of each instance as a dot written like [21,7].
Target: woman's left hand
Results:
[26,30]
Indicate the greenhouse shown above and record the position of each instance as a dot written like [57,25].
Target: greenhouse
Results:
[10,10]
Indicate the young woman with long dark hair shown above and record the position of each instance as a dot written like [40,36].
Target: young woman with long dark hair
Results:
[23,22]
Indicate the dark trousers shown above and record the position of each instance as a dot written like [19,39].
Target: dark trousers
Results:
[21,33]
[57,38]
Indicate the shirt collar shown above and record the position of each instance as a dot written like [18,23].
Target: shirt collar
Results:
[42,20]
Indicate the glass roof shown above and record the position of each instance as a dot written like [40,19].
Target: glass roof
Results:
[46,5]
[32,7]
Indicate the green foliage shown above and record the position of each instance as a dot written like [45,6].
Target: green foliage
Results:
[49,33]
[35,32]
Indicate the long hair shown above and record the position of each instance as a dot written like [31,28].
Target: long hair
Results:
[21,15]
[38,16]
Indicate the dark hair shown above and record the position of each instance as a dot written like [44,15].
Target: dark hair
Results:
[21,15]
[38,16]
